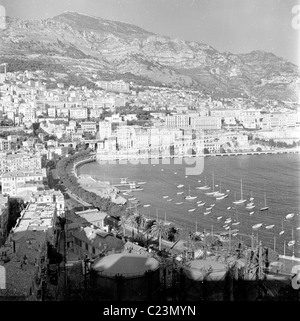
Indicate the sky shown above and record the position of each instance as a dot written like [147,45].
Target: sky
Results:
[237,26]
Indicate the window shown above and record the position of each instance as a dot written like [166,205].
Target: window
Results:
[86,246]
[94,251]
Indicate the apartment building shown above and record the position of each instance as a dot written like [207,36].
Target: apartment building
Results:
[19,161]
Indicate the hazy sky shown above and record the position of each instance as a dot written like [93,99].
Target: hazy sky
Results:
[238,26]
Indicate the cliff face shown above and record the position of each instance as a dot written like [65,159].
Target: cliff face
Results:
[87,45]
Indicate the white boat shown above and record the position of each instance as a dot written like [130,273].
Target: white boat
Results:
[132,199]
[251,207]
[175,173]
[123,180]
[142,183]
[236,223]
[209,208]
[213,186]
[257,226]
[268,227]
[249,204]
[298,228]
[210,193]
[192,210]
[228,220]
[201,204]
[228,208]
[206,213]
[169,200]
[241,200]
[180,193]
[204,187]
[251,198]
[289,216]
[180,186]
[219,217]
[212,205]
[227,227]
[251,213]
[221,197]
[179,203]
[228,190]
[189,197]
[282,229]
[234,234]
[291,243]
[265,208]
[147,205]
[166,196]
[199,180]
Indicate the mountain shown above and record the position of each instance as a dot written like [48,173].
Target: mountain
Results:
[82,45]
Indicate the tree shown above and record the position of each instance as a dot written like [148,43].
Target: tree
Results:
[159,229]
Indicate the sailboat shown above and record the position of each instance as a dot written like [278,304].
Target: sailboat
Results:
[219,194]
[282,230]
[213,185]
[219,217]
[180,186]
[240,201]
[251,213]
[251,198]
[237,222]
[292,242]
[179,193]
[192,210]
[250,206]
[206,213]
[204,187]
[265,207]
[179,203]
[201,204]
[189,197]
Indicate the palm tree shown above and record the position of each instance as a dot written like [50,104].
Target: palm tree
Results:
[158,229]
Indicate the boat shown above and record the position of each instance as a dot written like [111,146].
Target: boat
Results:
[298,228]
[180,186]
[219,217]
[123,180]
[179,193]
[132,199]
[282,229]
[257,226]
[209,208]
[189,197]
[166,196]
[227,227]
[201,204]
[251,198]
[199,180]
[241,200]
[228,208]
[228,190]
[219,193]
[292,242]
[221,197]
[206,213]
[213,185]
[169,200]
[251,213]
[250,207]
[137,189]
[228,220]
[289,216]
[265,208]
[268,227]
[179,203]
[236,223]
[212,205]
[175,173]
[192,210]
[142,183]
[147,205]
[204,187]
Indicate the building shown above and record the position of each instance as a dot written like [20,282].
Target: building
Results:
[93,242]
[93,217]
[118,85]
[13,183]
[51,197]
[105,130]
[19,161]
[4,210]
[89,127]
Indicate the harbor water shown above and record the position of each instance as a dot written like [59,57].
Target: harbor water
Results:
[272,180]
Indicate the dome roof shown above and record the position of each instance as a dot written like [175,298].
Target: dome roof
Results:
[125,263]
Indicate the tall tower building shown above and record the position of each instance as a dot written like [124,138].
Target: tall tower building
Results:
[2,17]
